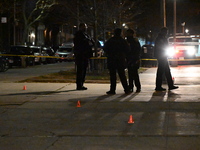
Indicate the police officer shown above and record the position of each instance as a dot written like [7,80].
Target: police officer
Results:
[161,43]
[83,51]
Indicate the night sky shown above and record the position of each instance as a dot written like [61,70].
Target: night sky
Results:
[188,11]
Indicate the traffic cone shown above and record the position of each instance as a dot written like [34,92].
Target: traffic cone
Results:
[24,88]
[78,104]
[131,119]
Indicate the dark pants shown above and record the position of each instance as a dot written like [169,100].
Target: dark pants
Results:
[133,77]
[163,70]
[81,68]
[113,78]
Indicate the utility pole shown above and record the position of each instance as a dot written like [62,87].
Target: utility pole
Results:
[175,63]
[14,21]
[164,13]
[174,21]
[78,18]
[95,27]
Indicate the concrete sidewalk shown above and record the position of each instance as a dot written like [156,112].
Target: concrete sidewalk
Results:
[45,116]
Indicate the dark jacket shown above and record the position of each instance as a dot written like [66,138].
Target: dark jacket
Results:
[83,44]
[116,49]
[161,44]
[135,51]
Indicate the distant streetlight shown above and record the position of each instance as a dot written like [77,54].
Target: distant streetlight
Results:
[124,26]
[186,31]
[32,38]
[32,35]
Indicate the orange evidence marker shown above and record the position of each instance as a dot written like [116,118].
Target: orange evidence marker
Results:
[78,104]
[24,88]
[131,119]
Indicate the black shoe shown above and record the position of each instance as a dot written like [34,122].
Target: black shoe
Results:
[81,88]
[173,87]
[138,90]
[160,89]
[110,92]
[128,91]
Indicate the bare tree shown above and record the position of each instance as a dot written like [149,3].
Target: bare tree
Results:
[34,11]
[104,14]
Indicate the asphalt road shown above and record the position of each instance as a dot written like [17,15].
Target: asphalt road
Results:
[45,116]
[17,74]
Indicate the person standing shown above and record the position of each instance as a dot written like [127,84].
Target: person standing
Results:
[133,60]
[83,44]
[116,49]
[163,69]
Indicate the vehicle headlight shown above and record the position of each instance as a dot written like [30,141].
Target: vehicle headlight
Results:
[170,51]
[191,51]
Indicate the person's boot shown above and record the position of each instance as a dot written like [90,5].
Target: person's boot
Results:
[110,92]
[173,88]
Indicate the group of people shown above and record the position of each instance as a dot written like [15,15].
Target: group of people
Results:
[121,54]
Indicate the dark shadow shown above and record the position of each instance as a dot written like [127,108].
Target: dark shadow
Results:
[38,93]
[103,97]
[172,96]
[128,96]
[117,98]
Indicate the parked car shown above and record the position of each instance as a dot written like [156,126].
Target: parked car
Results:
[37,51]
[20,60]
[4,63]
[65,52]
[50,52]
